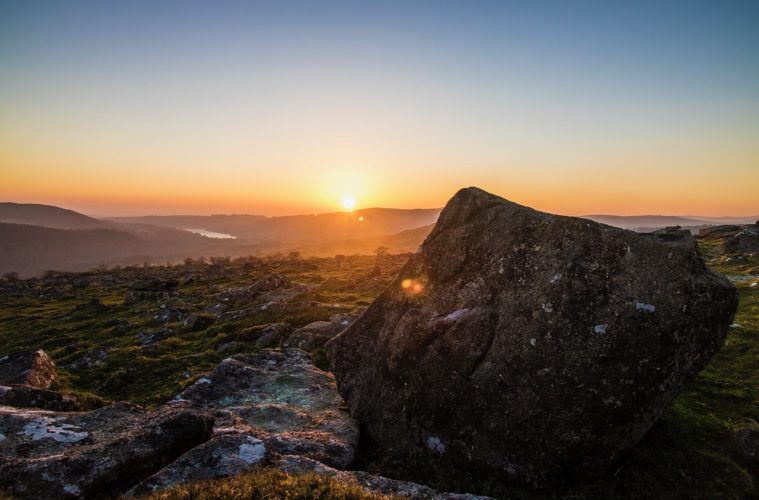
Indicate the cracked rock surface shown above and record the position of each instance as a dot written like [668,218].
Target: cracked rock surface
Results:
[531,344]
[46,454]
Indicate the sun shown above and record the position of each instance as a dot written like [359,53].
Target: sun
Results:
[349,202]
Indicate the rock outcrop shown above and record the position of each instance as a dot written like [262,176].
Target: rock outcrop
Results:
[315,334]
[226,454]
[94,454]
[34,369]
[25,396]
[284,400]
[294,464]
[268,404]
[536,345]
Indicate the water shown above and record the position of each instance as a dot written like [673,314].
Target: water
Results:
[212,234]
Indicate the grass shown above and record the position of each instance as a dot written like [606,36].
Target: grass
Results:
[269,484]
[38,314]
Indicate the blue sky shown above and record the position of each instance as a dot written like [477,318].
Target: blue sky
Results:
[533,100]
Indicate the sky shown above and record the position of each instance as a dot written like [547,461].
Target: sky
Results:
[283,107]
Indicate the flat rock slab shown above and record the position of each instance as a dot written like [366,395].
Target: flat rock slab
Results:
[376,484]
[536,345]
[33,368]
[315,334]
[225,454]
[92,454]
[25,396]
[284,400]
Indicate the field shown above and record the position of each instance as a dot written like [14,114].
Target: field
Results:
[145,351]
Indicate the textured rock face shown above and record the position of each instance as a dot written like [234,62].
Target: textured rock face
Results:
[25,396]
[279,397]
[294,464]
[46,454]
[538,345]
[225,454]
[35,369]
[317,333]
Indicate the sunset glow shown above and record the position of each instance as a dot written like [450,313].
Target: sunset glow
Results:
[349,202]
[268,110]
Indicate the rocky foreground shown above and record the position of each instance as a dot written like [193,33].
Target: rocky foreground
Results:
[514,348]
[272,408]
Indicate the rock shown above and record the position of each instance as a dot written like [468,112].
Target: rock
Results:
[35,369]
[536,345]
[225,454]
[155,285]
[270,283]
[294,464]
[230,346]
[279,397]
[724,230]
[25,396]
[92,358]
[196,322]
[748,442]
[152,289]
[671,233]
[150,338]
[272,335]
[317,333]
[93,306]
[94,454]
[745,241]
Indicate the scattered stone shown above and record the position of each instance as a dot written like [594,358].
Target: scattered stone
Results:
[272,335]
[25,396]
[35,369]
[93,306]
[152,289]
[94,454]
[441,363]
[229,346]
[745,241]
[270,283]
[748,442]
[196,322]
[150,338]
[92,358]
[315,334]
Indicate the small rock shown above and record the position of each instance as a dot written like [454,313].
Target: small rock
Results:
[35,369]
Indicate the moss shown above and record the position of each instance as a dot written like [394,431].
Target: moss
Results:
[269,484]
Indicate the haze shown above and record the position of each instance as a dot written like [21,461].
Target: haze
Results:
[279,108]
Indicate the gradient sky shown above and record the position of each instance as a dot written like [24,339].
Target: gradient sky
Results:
[277,107]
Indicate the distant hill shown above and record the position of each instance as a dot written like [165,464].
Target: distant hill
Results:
[48,216]
[339,226]
[638,221]
[36,238]
[30,250]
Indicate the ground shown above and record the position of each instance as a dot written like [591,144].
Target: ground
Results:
[145,353]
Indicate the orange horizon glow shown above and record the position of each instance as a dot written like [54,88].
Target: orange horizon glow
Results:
[290,116]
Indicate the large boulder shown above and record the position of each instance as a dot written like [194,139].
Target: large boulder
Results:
[536,345]
[95,454]
[35,369]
